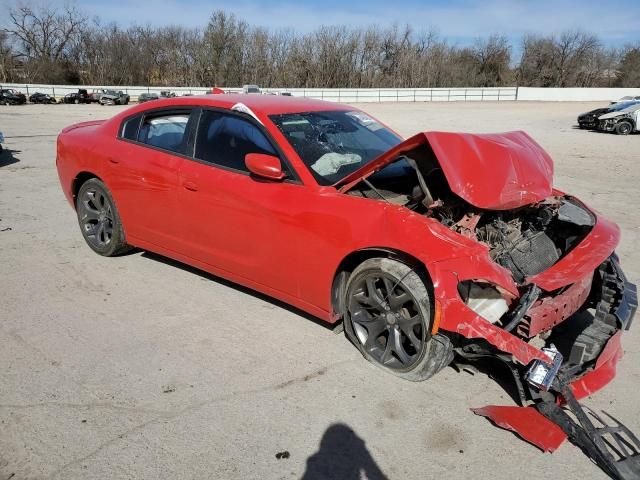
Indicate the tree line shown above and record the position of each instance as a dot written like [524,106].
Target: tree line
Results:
[64,46]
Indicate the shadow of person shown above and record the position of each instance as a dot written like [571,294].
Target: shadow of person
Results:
[7,157]
[342,456]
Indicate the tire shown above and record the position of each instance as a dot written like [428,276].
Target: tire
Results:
[393,330]
[76,101]
[624,128]
[99,220]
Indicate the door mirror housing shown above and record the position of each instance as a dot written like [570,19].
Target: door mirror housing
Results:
[264,166]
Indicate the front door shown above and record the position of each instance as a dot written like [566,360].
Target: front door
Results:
[232,220]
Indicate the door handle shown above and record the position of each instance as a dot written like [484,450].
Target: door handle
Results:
[190,186]
[114,160]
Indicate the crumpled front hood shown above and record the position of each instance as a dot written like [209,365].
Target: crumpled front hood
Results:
[498,171]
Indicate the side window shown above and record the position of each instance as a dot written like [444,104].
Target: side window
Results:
[225,139]
[129,128]
[166,131]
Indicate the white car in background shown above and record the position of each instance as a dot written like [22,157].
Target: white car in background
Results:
[628,98]
[623,122]
[251,89]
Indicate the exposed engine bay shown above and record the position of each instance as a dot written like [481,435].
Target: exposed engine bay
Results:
[526,240]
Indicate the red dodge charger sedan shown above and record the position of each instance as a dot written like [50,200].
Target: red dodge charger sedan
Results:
[438,244]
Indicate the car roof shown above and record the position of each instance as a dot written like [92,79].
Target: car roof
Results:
[259,104]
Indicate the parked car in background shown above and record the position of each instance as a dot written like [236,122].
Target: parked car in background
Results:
[167,94]
[42,98]
[252,89]
[626,99]
[590,120]
[9,96]
[94,97]
[147,97]
[81,96]
[621,121]
[113,97]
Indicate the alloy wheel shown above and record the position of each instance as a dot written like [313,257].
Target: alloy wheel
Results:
[387,321]
[96,217]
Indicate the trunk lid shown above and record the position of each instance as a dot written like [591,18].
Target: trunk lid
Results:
[91,123]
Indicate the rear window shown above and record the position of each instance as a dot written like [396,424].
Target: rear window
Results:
[166,131]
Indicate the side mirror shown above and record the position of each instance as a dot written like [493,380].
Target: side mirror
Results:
[264,166]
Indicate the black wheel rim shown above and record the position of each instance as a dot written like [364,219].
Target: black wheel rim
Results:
[96,217]
[386,321]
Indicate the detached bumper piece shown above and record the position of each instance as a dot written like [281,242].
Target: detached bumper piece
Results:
[615,449]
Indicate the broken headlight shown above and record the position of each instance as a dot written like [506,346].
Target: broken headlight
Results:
[484,299]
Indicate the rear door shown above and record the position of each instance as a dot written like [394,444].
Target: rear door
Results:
[144,173]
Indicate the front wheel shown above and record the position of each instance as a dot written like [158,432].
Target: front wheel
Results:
[388,317]
[99,220]
[624,128]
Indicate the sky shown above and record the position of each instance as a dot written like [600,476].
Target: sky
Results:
[461,21]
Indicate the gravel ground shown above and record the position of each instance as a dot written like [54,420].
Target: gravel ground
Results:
[137,367]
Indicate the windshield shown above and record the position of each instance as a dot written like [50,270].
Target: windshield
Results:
[621,106]
[336,143]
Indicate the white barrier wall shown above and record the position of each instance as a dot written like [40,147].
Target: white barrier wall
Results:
[575,94]
[376,95]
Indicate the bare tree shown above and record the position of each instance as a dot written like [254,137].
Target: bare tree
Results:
[63,46]
[629,69]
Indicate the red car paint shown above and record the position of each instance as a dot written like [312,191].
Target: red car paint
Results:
[528,423]
[308,217]
[551,310]
[288,239]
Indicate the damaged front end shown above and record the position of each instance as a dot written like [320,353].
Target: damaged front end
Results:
[545,294]
[582,355]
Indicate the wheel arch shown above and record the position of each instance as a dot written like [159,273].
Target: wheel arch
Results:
[355,258]
[79,180]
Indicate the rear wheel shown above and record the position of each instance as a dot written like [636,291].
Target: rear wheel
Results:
[388,317]
[624,128]
[99,220]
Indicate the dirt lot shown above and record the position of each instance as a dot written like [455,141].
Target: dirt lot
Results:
[136,367]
